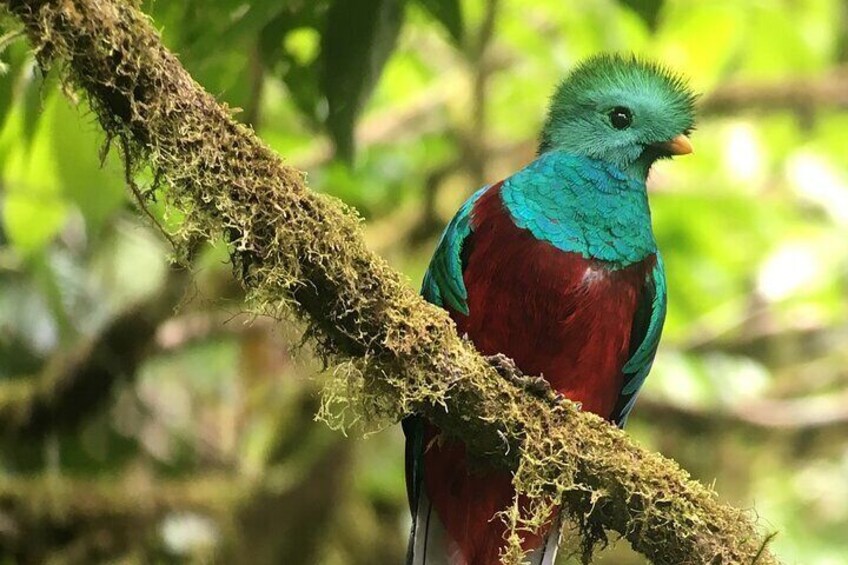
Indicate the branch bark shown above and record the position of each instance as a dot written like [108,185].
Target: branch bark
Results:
[293,249]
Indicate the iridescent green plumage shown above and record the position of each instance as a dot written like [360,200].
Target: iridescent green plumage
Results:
[662,105]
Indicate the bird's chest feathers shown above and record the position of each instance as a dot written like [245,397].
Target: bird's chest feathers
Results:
[588,208]
[555,313]
[555,286]
[593,275]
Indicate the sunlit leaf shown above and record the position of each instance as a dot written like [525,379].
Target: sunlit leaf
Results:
[96,190]
[32,220]
[701,38]
[33,209]
[13,58]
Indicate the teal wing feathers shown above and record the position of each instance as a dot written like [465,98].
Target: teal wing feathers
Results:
[443,286]
[645,338]
[443,283]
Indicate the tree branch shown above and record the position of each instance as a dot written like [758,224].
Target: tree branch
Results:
[800,96]
[75,383]
[482,67]
[41,514]
[820,413]
[295,249]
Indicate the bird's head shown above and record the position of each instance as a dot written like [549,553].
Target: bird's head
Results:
[623,110]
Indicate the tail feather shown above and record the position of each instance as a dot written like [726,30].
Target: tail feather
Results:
[429,543]
[546,555]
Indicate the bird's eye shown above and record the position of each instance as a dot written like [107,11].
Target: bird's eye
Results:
[620,117]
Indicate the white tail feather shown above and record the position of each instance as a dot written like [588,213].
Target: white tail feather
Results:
[428,539]
[546,555]
[429,543]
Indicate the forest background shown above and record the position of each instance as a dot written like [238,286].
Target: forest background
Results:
[191,434]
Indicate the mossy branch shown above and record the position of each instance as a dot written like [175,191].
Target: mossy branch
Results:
[110,515]
[89,521]
[301,252]
[58,500]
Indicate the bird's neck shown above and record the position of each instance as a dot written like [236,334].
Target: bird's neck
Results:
[641,166]
[584,206]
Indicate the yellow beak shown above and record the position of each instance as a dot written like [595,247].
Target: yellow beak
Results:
[680,145]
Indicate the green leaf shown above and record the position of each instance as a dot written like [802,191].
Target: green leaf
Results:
[96,188]
[13,56]
[240,26]
[31,220]
[359,37]
[289,46]
[648,10]
[217,42]
[33,209]
[449,14]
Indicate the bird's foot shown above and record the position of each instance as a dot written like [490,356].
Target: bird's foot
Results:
[537,386]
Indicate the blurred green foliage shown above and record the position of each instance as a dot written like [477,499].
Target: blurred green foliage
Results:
[400,108]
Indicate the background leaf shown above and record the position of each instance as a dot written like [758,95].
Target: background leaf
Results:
[648,10]
[449,14]
[752,228]
[283,52]
[358,39]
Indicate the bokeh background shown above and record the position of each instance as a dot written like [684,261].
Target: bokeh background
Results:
[145,416]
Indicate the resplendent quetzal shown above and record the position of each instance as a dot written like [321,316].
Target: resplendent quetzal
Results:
[556,267]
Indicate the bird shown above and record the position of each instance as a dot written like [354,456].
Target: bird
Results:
[557,268]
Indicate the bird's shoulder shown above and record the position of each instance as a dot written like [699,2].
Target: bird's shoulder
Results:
[582,205]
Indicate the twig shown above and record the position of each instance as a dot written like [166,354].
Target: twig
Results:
[828,91]
[482,70]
